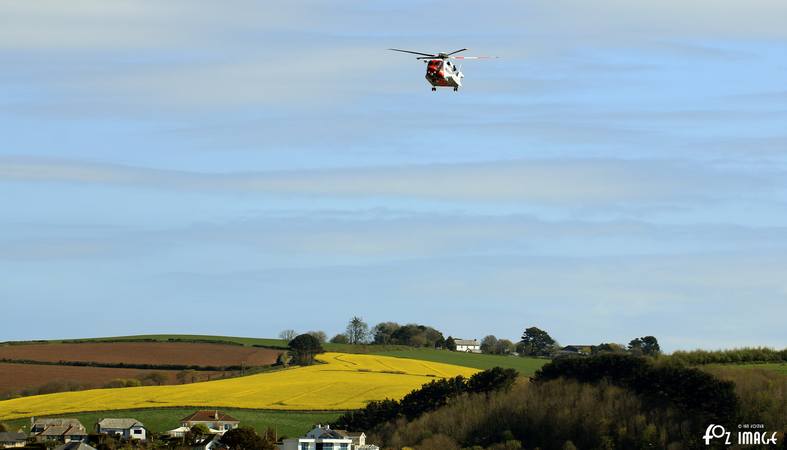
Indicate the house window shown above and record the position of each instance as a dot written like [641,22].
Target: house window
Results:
[304,446]
[137,431]
[343,446]
[327,446]
[227,426]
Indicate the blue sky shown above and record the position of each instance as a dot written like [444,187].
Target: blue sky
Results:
[234,168]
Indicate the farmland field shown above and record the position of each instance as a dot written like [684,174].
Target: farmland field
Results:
[248,341]
[175,353]
[16,377]
[343,381]
[525,366]
[286,423]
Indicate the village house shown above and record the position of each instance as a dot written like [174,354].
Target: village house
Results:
[10,439]
[322,437]
[122,428]
[213,419]
[468,345]
[576,350]
[57,429]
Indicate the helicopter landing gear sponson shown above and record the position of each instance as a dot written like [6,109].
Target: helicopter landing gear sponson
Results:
[456,89]
[434,89]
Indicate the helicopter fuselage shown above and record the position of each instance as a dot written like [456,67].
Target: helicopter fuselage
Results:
[441,73]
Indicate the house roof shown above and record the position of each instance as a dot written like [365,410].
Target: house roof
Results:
[74,446]
[11,436]
[46,422]
[63,430]
[350,434]
[577,346]
[124,423]
[465,342]
[205,415]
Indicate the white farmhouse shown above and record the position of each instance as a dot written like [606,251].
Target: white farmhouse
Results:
[122,428]
[322,437]
[468,345]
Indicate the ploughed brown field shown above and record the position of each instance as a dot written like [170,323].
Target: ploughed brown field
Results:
[180,353]
[16,377]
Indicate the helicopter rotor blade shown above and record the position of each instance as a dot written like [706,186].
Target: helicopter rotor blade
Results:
[474,57]
[414,53]
[455,52]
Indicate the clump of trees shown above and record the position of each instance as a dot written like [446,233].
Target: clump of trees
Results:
[340,338]
[687,388]
[428,398]
[733,356]
[564,413]
[412,334]
[494,346]
[245,438]
[304,348]
[646,345]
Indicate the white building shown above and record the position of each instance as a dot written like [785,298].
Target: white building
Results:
[467,345]
[324,438]
[122,428]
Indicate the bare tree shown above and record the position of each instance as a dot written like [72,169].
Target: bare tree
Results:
[320,335]
[287,335]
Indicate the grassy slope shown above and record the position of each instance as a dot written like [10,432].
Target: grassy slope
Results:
[780,368]
[525,366]
[162,419]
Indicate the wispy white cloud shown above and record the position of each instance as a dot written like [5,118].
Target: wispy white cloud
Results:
[549,181]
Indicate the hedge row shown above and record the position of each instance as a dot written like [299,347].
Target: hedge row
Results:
[127,365]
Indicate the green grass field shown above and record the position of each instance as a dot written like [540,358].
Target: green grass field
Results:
[286,423]
[776,367]
[525,366]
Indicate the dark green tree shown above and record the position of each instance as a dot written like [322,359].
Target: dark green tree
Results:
[304,347]
[450,344]
[646,345]
[536,342]
[245,438]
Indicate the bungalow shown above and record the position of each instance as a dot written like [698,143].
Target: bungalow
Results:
[213,419]
[576,350]
[122,428]
[57,429]
[324,438]
[11,439]
[468,345]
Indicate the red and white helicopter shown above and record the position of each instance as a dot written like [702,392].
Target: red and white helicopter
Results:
[439,70]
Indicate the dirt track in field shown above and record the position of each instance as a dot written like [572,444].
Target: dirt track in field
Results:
[180,353]
[15,377]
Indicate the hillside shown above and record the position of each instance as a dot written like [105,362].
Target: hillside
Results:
[342,381]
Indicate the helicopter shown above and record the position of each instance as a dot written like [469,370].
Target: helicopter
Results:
[440,72]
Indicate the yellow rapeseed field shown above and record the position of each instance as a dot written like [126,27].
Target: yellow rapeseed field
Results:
[344,381]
